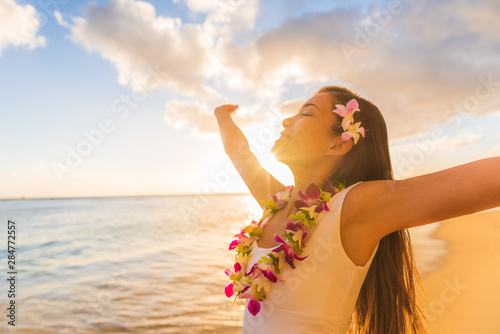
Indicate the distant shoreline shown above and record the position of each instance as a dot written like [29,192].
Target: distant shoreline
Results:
[121,196]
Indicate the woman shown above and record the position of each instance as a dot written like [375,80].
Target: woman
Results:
[337,257]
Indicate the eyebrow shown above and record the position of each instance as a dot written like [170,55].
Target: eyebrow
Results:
[309,104]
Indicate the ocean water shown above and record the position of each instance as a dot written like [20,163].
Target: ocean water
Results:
[133,264]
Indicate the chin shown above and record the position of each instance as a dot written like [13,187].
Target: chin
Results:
[277,157]
[286,154]
[280,155]
[277,151]
[292,158]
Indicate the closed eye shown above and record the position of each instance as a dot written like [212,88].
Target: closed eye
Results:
[305,115]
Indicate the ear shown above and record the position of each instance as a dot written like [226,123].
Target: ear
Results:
[339,147]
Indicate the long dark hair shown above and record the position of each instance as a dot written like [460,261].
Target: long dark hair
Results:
[387,301]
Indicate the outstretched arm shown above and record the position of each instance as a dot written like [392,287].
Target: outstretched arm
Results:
[259,181]
[386,206]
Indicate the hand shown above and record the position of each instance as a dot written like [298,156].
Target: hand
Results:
[226,109]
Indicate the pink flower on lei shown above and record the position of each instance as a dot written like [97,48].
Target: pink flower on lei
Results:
[310,200]
[290,254]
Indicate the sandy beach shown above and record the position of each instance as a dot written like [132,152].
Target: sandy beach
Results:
[464,295]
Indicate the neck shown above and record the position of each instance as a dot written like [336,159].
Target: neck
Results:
[305,175]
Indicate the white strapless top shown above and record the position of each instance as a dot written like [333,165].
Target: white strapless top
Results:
[320,294]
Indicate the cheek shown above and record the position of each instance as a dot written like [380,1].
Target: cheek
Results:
[314,131]
[314,138]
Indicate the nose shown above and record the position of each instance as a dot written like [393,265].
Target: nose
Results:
[287,122]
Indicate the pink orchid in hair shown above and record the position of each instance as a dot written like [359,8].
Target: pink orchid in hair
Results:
[351,129]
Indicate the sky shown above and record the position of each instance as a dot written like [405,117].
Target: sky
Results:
[116,98]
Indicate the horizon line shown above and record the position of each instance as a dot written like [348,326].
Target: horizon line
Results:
[111,196]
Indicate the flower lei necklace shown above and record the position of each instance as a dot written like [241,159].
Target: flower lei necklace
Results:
[257,283]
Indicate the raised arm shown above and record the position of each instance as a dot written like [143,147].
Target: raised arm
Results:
[386,206]
[259,181]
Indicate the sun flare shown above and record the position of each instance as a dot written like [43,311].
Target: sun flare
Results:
[279,170]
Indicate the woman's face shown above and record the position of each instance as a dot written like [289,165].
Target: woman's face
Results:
[307,136]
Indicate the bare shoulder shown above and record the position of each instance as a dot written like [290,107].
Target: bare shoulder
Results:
[364,195]
[359,236]
[366,207]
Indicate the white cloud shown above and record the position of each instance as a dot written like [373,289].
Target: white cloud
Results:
[291,107]
[201,118]
[19,26]
[464,138]
[60,19]
[135,39]
[230,16]
[179,113]
[130,35]
[472,19]
[209,6]
[431,142]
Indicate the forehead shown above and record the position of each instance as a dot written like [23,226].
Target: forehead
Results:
[322,100]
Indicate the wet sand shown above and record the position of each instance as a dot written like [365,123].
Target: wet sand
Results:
[463,296]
